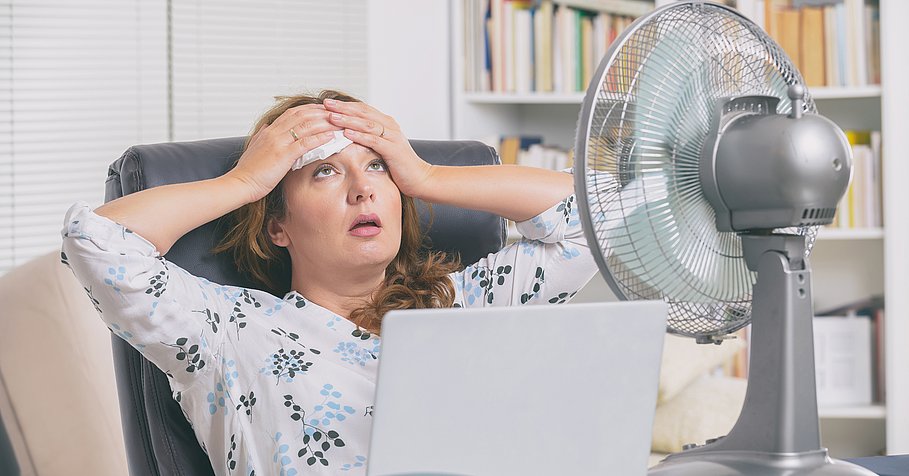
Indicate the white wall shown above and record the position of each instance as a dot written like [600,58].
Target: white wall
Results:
[409,65]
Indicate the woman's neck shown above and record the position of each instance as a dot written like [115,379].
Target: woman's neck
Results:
[338,291]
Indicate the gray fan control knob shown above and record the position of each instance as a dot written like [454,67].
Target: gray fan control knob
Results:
[796,93]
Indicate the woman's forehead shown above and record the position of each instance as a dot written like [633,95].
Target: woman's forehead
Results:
[357,152]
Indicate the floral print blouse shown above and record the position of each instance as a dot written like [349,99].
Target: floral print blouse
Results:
[276,385]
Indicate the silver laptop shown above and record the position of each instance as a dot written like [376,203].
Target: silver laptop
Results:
[530,390]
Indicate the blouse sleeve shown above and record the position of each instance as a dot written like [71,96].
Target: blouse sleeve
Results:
[547,266]
[170,316]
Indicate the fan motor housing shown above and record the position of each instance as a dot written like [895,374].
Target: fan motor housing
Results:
[771,171]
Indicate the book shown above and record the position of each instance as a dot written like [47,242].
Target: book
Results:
[508,150]
[872,309]
[523,53]
[485,53]
[877,183]
[861,205]
[831,58]
[508,47]
[811,43]
[587,51]
[843,59]
[873,41]
[789,31]
[495,35]
[569,46]
[855,43]
[842,359]
[509,147]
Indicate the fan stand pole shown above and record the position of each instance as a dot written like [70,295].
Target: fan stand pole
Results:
[777,432]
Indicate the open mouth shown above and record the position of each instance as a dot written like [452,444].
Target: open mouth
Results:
[366,224]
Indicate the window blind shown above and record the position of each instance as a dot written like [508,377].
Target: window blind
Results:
[82,81]
[79,83]
[232,57]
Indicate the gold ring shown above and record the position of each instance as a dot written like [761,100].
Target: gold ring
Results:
[383,132]
[294,135]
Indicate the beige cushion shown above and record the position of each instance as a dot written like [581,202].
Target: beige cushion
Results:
[684,361]
[707,408]
[60,397]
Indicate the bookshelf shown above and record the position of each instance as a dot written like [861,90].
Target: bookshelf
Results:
[848,263]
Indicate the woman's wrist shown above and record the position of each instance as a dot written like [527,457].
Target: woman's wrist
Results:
[424,187]
[237,186]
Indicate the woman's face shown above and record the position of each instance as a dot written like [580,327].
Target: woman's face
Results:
[343,213]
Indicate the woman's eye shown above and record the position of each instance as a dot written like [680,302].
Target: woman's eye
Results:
[324,171]
[378,166]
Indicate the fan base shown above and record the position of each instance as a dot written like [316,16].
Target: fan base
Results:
[739,463]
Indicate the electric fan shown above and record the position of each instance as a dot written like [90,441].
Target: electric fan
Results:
[702,171]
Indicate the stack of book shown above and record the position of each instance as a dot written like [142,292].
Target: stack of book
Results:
[832,42]
[849,353]
[530,151]
[861,206]
[520,46]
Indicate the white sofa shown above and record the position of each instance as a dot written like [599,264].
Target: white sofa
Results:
[58,397]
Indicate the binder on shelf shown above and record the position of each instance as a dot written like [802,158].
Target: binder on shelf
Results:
[871,312]
[842,359]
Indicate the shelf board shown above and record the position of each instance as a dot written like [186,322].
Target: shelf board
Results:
[846,92]
[578,97]
[525,98]
[833,234]
[858,412]
[850,233]
[633,8]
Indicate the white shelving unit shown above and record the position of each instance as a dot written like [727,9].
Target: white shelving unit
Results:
[848,264]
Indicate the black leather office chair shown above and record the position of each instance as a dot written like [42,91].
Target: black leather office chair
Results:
[159,440]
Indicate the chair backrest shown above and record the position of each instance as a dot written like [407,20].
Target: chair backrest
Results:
[159,440]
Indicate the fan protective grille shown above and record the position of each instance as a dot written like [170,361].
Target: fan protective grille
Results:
[639,146]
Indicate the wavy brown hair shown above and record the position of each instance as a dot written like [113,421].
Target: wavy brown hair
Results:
[415,278]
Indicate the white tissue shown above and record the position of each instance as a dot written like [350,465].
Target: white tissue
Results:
[326,150]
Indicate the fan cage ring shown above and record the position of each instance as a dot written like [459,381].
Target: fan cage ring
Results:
[644,122]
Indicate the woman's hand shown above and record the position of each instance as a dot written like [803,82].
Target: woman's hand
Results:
[368,127]
[274,148]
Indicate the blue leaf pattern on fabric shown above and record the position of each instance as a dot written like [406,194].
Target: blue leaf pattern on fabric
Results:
[302,424]
[358,352]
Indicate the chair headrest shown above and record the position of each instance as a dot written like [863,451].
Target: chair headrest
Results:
[467,233]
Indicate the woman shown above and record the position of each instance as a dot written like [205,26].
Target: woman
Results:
[285,385]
